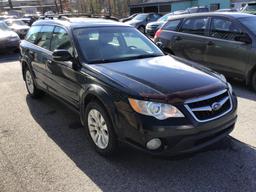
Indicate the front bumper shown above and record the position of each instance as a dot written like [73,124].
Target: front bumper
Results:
[178,136]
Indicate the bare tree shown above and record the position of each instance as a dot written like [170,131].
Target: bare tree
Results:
[10,4]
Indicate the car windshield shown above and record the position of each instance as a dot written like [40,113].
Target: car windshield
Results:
[250,23]
[165,17]
[3,27]
[140,17]
[251,7]
[113,44]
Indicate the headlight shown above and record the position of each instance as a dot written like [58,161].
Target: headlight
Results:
[160,111]
[230,88]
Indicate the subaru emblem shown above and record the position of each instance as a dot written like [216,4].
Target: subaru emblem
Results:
[216,106]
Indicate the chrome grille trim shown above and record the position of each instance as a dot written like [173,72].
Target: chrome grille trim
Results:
[209,108]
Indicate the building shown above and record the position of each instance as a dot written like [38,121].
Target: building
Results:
[165,6]
[238,4]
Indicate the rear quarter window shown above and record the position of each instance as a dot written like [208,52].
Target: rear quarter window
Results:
[172,25]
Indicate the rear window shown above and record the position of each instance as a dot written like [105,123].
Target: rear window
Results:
[172,25]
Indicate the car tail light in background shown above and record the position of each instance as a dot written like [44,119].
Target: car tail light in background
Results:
[157,34]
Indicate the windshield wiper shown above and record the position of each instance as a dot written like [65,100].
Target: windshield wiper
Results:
[124,59]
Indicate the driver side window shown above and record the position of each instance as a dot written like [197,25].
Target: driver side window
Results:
[60,40]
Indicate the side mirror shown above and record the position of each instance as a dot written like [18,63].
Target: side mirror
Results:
[61,55]
[244,38]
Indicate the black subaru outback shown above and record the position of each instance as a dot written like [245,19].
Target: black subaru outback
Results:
[124,88]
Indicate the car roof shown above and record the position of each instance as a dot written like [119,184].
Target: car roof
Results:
[79,22]
[234,15]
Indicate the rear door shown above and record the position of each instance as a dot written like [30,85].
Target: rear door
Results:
[39,54]
[189,42]
[63,80]
[224,53]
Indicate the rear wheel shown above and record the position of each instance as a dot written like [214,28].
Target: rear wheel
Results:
[254,81]
[100,129]
[30,85]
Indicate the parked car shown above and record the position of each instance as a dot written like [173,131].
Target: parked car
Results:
[9,40]
[197,10]
[152,27]
[141,20]
[227,10]
[128,18]
[125,88]
[18,26]
[225,42]
[249,8]
[29,19]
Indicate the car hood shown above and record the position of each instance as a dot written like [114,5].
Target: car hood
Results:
[19,27]
[156,23]
[161,78]
[133,22]
[6,34]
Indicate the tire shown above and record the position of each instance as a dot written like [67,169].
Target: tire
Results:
[33,91]
[254,81]
[99,129]
[141,29]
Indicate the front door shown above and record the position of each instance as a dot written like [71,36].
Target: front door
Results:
[189,42]
[224,53]
[62,78]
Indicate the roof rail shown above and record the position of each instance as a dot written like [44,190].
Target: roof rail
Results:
[63,17]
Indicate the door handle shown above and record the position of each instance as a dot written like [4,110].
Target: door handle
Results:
[210,43]
[177,38]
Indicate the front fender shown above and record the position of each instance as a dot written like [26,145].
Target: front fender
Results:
[104,97]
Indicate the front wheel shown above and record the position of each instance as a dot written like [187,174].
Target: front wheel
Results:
[100,129]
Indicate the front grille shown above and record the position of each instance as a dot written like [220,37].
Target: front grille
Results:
[210,107]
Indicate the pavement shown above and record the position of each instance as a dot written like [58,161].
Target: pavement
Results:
[43,148]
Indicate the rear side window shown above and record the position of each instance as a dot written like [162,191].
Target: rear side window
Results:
[171,25]
[45,37]
[224,29]
[33,34]
[195,26]
[60,40]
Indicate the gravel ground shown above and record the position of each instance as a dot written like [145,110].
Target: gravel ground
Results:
[43,148]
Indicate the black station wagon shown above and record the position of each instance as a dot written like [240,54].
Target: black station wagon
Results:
[125,88]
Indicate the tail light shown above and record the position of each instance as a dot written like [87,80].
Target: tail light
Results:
[157,34]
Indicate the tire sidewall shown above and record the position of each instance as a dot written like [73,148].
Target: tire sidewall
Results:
[25,74]
[112,144]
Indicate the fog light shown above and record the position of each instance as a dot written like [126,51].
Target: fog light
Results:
[154,144]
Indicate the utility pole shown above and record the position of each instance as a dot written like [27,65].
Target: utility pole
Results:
[10,4]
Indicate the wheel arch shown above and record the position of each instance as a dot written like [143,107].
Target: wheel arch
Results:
[250,75]
[96,92]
